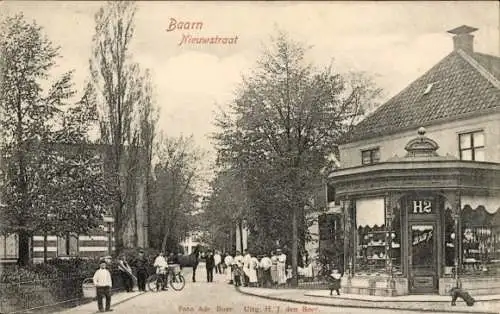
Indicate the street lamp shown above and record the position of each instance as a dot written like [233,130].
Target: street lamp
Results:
[109,222]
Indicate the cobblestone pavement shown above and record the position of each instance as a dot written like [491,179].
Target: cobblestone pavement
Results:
[219,297]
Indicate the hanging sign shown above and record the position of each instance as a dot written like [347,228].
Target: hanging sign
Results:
[421,207]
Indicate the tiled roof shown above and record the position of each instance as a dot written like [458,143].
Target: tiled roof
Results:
[462,85]
[489,62]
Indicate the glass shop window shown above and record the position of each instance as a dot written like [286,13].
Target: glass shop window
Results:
[371,237]
[395,242]
[449,242]
[480,241]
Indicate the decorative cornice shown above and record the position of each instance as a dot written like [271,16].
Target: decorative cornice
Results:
[421,146]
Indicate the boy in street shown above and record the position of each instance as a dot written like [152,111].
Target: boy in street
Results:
[162,270]
[334,280]
[102,282]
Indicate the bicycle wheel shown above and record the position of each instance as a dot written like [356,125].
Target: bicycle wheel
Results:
[152,283]
[177,282]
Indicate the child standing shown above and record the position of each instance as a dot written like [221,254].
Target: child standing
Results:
[335,281]
[102,282]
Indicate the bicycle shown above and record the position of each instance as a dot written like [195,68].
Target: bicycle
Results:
[175,279]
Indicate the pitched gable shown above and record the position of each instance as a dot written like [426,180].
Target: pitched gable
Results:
[458,86]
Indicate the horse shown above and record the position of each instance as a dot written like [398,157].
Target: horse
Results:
[190,260]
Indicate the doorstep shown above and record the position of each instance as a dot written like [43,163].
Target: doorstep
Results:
[402,298]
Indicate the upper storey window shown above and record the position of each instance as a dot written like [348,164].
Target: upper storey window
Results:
[471,146]
[370,156]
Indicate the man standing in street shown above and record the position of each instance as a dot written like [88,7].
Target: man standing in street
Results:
[102,282]
[265,265]
[222,264]
[228,261]
[141,266]
[218,260]
[210,264]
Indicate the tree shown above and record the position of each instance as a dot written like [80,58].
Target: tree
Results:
[174,191]
[127,117]
[51,180]
[224,208]
[287,117]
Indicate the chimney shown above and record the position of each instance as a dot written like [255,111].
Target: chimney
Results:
[463,38]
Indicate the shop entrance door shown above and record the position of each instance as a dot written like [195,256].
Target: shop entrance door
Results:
[422,257]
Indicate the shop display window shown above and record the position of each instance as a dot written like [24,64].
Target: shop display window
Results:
[449,242]
[371,237]
[395,242]
[480,242]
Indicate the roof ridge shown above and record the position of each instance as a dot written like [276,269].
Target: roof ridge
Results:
[476,65]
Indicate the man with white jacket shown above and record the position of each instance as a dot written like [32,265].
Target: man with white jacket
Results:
[102,282]
[218,260]
[228,260]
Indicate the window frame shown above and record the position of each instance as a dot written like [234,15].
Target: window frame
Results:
[67,245]
[371,151]
[472,148]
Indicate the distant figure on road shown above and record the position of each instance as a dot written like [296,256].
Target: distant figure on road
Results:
[228,261]
[141,266]
[218,260]
[210,264]
[102,282]
[222,263]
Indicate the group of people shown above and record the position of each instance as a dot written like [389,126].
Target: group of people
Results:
[163,266]
[103,282]
[257,271]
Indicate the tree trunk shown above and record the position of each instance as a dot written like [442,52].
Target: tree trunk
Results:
[45,247]
[24,248]
[295,240]
[240,227]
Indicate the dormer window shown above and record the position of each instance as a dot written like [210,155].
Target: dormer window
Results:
[370,156]
[471,146]
[428,89]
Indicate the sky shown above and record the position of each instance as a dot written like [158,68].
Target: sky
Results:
[395,42]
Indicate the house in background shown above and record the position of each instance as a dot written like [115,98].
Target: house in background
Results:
[190,242]
[419,184]
[98,242]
